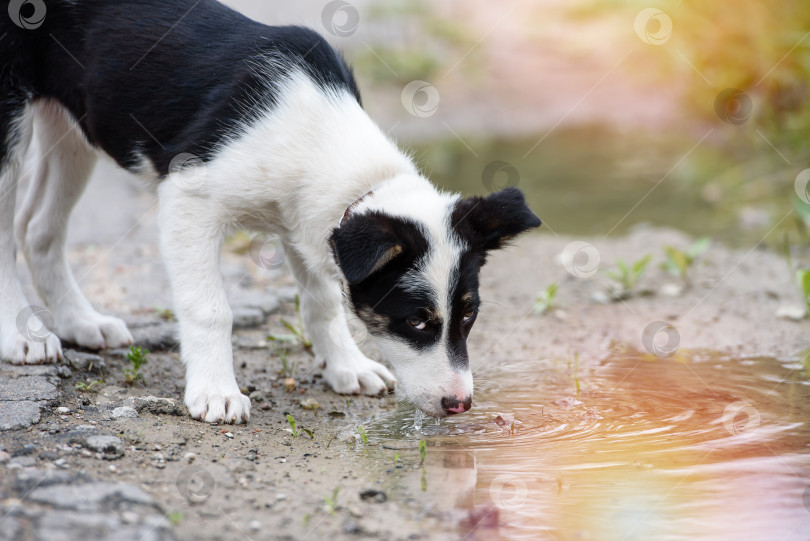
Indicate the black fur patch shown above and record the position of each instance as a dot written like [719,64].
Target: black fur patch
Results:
[159,78]
[376,291]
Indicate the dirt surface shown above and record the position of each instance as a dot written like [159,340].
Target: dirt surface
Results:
[160,475]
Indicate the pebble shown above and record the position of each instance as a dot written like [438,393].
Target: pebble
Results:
[373,495]
[83,362]
[62,410]
[156,405]
[229,435]
[255,525]
[247,318]
[791,312]
[4,457]
[190,457]
[124,412]
[110,447]
[310,404]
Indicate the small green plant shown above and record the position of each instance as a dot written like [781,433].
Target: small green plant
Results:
[137,357]
[287,368]
[297,335]
[165,313]
[291,422]
[396,458]
[422,450]
[361,429]
[175,517]
[803,281]
[546,300]
[332,501]
[87,386]
[678,263]
[627,276]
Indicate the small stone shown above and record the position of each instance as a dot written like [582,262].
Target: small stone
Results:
[64,372]
[310,404]
[290,384]
[600,297]
[791,312]
[62,410]
[255,525]
[124,412]
[229,435]
[155,335]
[4,457]
[247,318]
[671,290]
[110,447]
[156,405]
[19,414]
[190,457]
[22,461]
[83,362]
[281,496]
[373,495]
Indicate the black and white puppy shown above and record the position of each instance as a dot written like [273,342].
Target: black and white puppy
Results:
[281,144]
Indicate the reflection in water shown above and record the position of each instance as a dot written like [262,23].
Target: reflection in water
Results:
[703,447]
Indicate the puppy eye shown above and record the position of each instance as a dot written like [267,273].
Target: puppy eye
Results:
[468,315]
[417,323]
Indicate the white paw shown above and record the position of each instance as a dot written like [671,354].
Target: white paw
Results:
[94,331]
[359,376]
[19,349]
[217,404]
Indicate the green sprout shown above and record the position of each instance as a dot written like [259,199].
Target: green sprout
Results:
[87,387]
[175,517]
[165,314]
[361,429]
[137,357]
[332,501]
[627,276]
[422,450]
[291,422]
[297,335]
[803,281]
[546,300]
[678,263]
[287,368]
[396,458]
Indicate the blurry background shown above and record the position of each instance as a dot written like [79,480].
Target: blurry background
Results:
[607,113]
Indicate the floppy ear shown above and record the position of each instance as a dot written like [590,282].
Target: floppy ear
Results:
[489,223]
[366,243]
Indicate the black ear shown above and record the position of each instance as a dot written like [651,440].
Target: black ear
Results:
[489,223]
[366,243]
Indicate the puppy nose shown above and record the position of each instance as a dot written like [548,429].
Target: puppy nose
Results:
[452,404]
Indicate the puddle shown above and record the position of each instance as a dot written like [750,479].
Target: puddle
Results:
[699,447]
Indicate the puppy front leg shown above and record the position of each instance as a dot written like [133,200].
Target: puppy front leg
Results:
[348,370]
[191,231]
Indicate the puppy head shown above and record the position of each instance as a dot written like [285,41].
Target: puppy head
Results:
[411,264]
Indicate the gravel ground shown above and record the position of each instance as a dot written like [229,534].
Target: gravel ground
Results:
[124,461]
